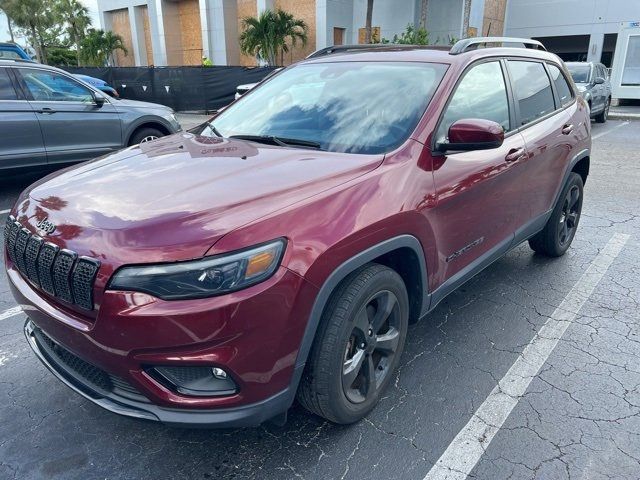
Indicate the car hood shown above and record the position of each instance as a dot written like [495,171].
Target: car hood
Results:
[137,104]
[173,198]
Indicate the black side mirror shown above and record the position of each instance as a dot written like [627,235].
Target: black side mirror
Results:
[598,81]
[99,99]
[473,134]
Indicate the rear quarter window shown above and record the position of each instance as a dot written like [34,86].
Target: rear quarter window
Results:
[561,84]
[6,86]
[532,90]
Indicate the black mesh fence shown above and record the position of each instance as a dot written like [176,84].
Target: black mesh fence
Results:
[181,88]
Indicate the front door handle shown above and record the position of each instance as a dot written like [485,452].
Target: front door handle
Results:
[514,154]
[47,111]
[567,129]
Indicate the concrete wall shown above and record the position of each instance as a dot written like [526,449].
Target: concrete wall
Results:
[444,20]
[545,18]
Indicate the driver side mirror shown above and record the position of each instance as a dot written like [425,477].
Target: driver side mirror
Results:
[99,99]
[598,81]
[473,134]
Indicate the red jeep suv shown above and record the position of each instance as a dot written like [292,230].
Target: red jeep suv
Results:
[280,250]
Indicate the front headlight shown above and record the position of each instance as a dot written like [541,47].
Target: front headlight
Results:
[205,277]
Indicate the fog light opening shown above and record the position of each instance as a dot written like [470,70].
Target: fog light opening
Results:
[196,381]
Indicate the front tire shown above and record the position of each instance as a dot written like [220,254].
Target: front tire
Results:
[144,135]
[358,345]
[556,237]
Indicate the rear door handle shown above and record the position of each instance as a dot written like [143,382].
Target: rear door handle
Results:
[47,111]
[514,154]
[567,129]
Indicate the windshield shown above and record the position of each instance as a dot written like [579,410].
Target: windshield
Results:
[355,107]
[580,73]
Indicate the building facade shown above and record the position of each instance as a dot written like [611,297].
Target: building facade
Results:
[181,32]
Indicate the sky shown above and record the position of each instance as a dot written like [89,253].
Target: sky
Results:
[92,5]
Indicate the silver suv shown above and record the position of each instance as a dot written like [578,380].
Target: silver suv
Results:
[49,117]
[594,86]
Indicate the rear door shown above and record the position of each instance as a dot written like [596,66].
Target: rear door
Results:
[21,142]
[74,127]
[547,121]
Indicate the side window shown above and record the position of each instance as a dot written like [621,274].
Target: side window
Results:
[6,86]
[53,87]
[562,87]
[532,90]
[481,94]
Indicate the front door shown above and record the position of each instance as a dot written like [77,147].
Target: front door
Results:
[73,126]
[478,192]
[21,142]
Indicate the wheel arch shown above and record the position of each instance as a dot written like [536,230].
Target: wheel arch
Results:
[147,124]
[581,167]
[403,253]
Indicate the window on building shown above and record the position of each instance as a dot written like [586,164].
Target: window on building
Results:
[6,87]
[631,69]
[480,94]
[338,35]
[532,90]
[562,87]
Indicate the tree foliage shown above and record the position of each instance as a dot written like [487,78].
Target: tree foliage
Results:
[98,47]
[270,35]
[49,24]
[410,36]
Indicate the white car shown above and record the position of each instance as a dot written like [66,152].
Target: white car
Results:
[242,89]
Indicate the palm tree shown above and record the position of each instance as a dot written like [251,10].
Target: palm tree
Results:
[368,20]
[98,46]
[77,18]
[266,36]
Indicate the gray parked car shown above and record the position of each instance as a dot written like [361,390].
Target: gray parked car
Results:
[592,80]
[49,117]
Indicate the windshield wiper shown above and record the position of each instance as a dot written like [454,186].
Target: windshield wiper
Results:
[214,129]
[280,141]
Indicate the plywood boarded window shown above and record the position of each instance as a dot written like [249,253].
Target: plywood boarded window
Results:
[375,34]
[338,35]
[120,26]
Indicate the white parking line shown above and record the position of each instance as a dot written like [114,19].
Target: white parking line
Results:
[467,447]
[598,135]
[5,211]
[12,312]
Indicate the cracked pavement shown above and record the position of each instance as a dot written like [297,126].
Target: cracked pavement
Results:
[579,417]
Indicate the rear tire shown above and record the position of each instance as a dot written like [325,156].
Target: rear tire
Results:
[602,117]
[358,345]
[146,134]
[556,237]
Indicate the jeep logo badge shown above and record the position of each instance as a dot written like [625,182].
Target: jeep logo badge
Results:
[46,226]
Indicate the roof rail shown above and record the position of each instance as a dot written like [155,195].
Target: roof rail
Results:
[368,46]
[467,44]
[18,60]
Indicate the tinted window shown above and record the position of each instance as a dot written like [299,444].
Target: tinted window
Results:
[53,87]
[356,107]
[532,90]
[580,72]
[480,94]
[6,87]
[564,91]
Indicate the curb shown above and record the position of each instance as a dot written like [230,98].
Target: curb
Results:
[624,116]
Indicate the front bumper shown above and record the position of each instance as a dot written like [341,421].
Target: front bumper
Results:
[121,399]
[253,334]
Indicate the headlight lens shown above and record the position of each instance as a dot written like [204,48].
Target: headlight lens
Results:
[202,278]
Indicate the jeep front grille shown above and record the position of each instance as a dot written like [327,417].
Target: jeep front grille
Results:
[58,272]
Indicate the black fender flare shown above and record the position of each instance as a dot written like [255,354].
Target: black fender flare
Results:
[146,120]
[339,274]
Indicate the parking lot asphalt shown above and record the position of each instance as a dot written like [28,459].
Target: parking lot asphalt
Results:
[530,370]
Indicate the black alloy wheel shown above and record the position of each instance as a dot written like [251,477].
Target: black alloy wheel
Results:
[371,347]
